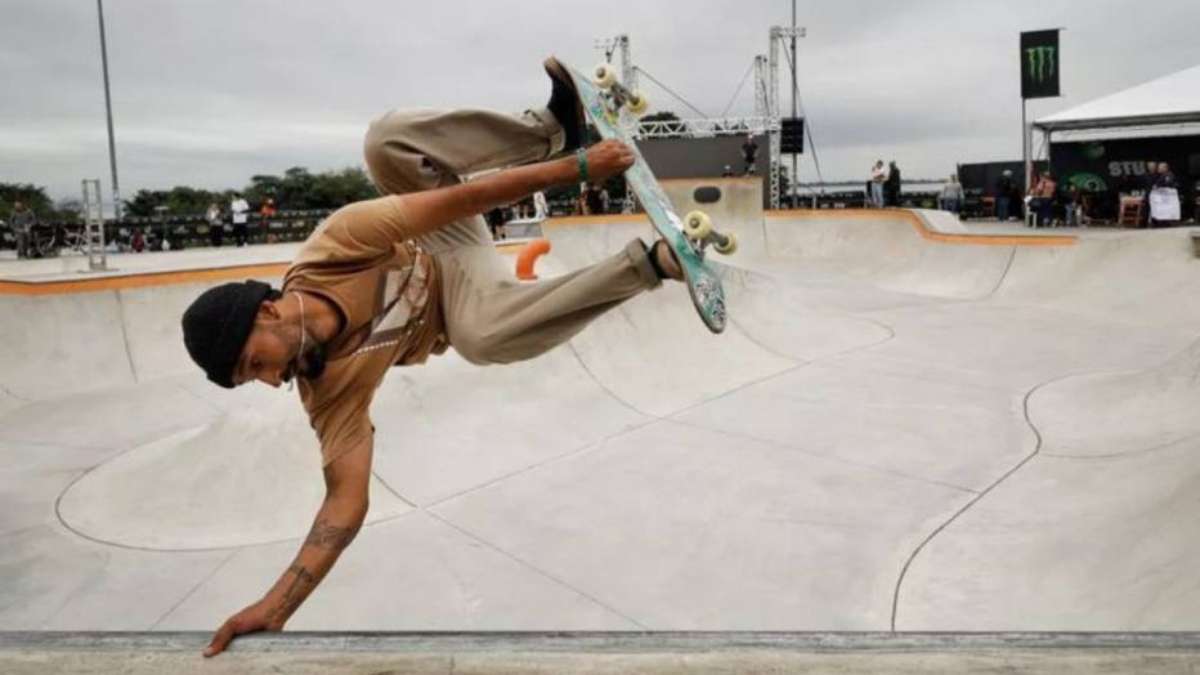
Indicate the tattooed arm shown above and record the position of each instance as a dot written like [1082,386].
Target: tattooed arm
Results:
[341,515]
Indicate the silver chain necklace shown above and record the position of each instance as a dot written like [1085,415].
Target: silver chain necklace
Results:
[299,355]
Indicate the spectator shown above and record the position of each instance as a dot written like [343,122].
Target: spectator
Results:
[240,209]
[540,208]
[267,210]
[952,196]
[750,155]
[1005,187]
[137,243]
[216,226]
[605,200]
[496,218]
[581,206]
[593,202]
[1073,208]
[21,220]
[891,188]
[1164,197]
[878,178]
[1041,199]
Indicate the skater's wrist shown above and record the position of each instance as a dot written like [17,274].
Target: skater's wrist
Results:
[564,171]
[581,161]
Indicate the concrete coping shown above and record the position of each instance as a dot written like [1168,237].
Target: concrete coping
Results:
[599,643]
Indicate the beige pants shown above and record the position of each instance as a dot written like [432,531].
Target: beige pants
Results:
[490,316]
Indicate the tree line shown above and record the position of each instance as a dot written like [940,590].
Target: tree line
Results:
[297,189]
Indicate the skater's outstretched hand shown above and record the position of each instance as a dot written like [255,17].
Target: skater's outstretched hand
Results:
[608,158]
[253,619]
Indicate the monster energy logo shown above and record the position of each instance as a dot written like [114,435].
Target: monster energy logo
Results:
[1041,62]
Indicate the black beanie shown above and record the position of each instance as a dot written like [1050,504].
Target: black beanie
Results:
[217,325]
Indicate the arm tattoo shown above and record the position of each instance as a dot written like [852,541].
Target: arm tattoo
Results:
[333,537]
[296,592]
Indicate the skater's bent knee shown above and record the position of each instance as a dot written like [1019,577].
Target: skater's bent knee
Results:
[475,347]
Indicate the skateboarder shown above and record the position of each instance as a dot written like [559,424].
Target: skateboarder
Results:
[391,281]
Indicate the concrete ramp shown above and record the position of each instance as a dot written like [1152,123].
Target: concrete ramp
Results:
[908,425]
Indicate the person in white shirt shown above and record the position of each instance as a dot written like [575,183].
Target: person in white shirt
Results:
[879,176]
[239,208]
[952,196]
[540,209]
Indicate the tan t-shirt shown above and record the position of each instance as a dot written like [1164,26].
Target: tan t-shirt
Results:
[363,260]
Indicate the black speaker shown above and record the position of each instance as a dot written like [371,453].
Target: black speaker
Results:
[792,136]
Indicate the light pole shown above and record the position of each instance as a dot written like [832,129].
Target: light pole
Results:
[795,110]
[112,147]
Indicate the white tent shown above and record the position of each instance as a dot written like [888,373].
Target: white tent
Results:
[1172,99]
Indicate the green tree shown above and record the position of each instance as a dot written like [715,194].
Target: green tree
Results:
[33,196]
[661,116]
[179,200]
[297,189]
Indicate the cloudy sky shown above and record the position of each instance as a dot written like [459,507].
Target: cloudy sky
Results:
[209,92]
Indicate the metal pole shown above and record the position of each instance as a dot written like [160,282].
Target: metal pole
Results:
[112,147]
[1049,150]
[1025,146]
[795,86]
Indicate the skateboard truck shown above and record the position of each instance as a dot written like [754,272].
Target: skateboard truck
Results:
[605,77]
[698,228]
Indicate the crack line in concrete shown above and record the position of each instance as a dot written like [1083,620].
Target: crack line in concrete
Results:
[125,336]
[966,507]
[537,570]
[1012,255]
[828,458]
[195,588]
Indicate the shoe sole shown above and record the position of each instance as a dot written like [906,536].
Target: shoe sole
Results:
[555,69]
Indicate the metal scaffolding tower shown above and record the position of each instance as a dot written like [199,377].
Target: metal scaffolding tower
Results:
[778,35]
[767,114]
[93,223]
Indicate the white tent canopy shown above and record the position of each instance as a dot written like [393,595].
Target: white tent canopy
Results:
[1172,99]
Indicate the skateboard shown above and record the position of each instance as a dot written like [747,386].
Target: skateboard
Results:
[605,101]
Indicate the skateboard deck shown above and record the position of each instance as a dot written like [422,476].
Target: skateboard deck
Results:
[704,285]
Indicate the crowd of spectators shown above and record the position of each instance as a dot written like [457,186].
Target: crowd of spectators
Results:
[1154,197]
[34,239]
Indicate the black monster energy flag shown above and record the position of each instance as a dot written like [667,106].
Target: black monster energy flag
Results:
[1039,64]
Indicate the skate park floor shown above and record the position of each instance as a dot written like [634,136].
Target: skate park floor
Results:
[908,429]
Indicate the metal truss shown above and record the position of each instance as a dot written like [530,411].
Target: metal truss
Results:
[707,128]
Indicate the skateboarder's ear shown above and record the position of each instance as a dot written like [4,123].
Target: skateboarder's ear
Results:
[268,310]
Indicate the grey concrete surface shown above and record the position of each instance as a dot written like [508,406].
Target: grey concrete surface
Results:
[894,434]
[659,653]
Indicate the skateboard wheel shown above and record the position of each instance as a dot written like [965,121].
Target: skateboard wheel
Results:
[697,225]
[605,76]
[730,246]
[638,103]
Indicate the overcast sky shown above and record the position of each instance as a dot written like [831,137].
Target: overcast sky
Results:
[209,92]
